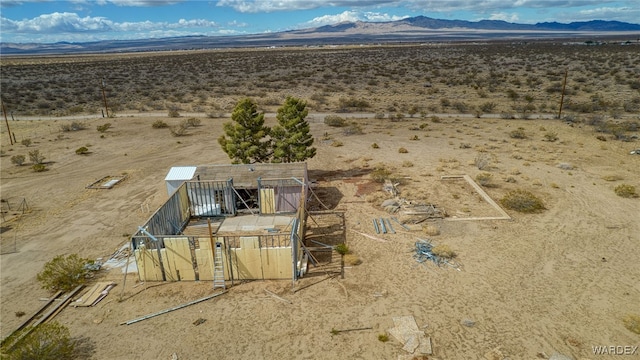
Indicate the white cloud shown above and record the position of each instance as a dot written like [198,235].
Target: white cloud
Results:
[504,17]
[352,16]
[258,6]
[143,3]
[70,23]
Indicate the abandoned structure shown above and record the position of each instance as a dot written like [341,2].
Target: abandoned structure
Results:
[225,223]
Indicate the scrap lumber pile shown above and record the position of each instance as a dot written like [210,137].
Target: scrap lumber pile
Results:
[95,294]
[418,210]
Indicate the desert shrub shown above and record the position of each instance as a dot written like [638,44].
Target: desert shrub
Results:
[518,134]
[403,150]
[551,136]
[26,142]
[431,230]
[383,337]
[103,128]
[18,160]
[82,150]
[48,341]
[632,323]
[193,122]
[407,163]
[74,126]
[39,167]
[64,272]
[522,201]
[484,179]
[414,138]
[443,251]
[482,161]
[353,129]
[375,146]
[178,130]
[173,112]
[380,173]
[488,107]
[360,104]
[159,124]
[626,191]
[335,121]
[337,143]
[36,157]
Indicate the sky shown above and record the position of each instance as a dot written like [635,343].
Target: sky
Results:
[46,21]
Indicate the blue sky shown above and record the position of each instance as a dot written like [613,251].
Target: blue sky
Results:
[46,21]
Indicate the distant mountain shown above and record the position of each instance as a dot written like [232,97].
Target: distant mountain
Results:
[415,29]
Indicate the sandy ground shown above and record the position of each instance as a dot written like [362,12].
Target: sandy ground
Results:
[558,281]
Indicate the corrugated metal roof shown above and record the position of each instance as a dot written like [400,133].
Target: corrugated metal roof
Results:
[181,173]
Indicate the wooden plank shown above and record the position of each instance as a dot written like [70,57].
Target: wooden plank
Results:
[484,195]
[204,259]
[89,297]
[267,201]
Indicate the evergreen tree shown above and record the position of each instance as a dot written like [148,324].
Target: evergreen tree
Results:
[291,138]
[245,135]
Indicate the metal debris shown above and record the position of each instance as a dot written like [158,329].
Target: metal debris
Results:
[424,252]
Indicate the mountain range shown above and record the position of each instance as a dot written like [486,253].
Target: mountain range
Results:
[415,29]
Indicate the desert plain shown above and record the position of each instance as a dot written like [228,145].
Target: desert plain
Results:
[557,281]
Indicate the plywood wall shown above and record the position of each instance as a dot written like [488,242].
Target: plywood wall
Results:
[247,262]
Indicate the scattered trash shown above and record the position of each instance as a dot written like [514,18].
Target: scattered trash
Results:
[199,321]
[424,252]
[635,152]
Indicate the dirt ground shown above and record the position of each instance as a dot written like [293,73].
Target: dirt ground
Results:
[558,281]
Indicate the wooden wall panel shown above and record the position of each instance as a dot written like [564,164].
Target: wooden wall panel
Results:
[204,258]
[148,264]
[267,201]
[178,264]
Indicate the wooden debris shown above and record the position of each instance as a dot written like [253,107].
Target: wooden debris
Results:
[95,294]
[336,332]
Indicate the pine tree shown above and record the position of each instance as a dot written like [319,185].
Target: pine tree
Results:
[291,138]
[245,135]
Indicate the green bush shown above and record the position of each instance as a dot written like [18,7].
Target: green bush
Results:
[522,201]
[48,341]
[626,191]
[64,272]
[375,146]
[104,127]
[334,121]
[380,173]
[193,122]
[18,159]
[74,126]
[36,157]
[82,150]
[39,167]
[518,134]
[159,124]
[484,179]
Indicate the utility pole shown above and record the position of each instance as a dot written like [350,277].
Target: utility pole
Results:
[4,112]
[564,85]
[104,97]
